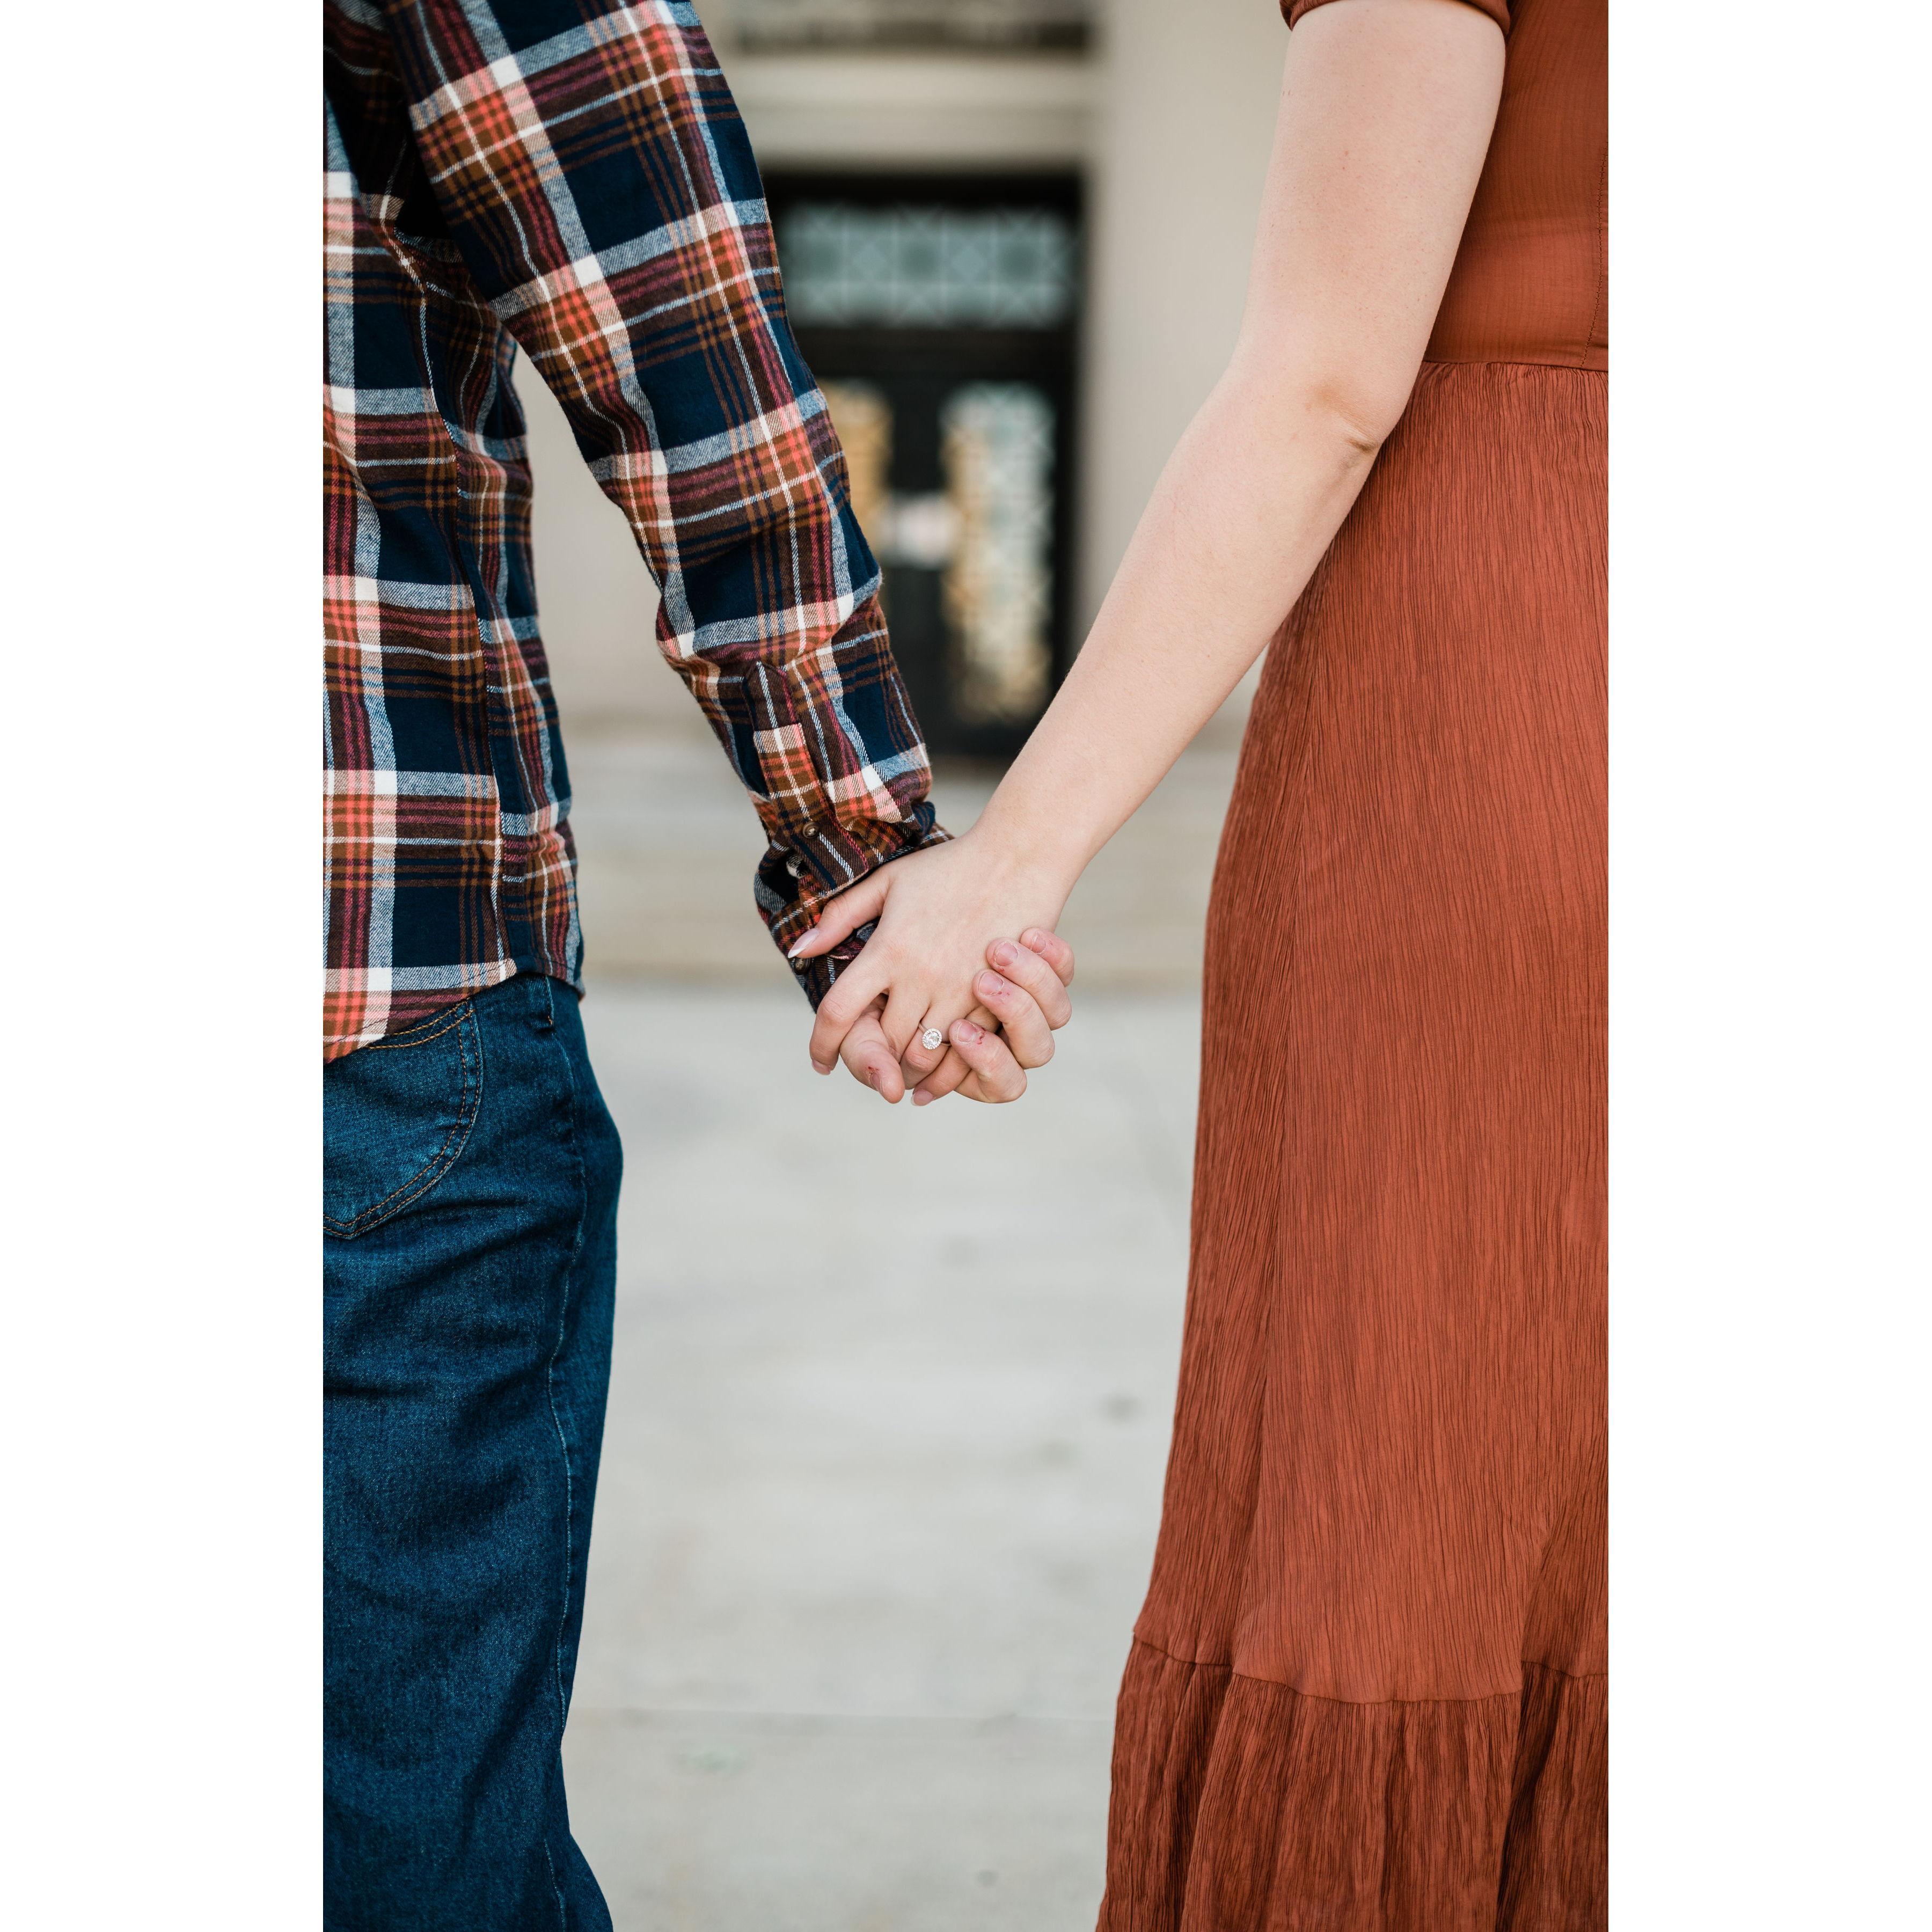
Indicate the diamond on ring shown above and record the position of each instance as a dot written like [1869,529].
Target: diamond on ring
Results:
[932,1039]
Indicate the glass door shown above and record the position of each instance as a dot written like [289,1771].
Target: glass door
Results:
[939,317]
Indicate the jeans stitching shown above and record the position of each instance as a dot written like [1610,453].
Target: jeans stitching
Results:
[556,1889]
[443,1159]
[416,1036]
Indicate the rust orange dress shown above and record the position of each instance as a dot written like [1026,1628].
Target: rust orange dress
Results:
[1367,1693]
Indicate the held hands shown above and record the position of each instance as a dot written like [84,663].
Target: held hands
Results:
[938,965]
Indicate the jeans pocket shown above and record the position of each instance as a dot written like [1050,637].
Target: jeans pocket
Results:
[395,1116]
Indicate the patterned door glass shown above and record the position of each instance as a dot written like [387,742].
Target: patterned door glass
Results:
[989,532]
[863,419]
[997,447]
[928,267]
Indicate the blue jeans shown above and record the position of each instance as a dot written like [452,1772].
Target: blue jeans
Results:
[470,1200]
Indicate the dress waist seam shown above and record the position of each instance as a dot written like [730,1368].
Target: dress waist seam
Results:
[1512,362]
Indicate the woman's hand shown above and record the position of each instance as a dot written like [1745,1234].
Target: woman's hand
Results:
[939,913]
[995,1046]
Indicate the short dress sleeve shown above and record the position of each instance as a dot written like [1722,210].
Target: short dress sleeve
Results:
[1292,10]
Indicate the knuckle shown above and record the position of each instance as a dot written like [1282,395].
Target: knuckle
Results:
[1053,998]
[1025,967]
[1036,965]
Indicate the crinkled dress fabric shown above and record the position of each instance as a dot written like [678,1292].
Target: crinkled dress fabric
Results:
[1367,1693]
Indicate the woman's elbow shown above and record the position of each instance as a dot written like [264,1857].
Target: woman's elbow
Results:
[1356,408]
[1362,408]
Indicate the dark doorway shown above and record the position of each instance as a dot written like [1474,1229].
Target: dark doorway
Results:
[940,316]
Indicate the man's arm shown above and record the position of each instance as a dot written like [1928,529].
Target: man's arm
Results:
[592,169]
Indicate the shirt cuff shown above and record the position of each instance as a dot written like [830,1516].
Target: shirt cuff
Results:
[795,883]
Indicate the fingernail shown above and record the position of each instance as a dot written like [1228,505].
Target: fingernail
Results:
[965,1030]
[991,984]
[1003,953]
[920,1097]
[799,944]
[820,1066]
[1033,939]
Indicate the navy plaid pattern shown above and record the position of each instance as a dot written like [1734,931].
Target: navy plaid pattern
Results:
[569,177]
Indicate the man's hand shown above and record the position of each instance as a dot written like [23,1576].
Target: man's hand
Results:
[1024,992]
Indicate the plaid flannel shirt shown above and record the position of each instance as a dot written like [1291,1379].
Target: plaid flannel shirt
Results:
[570,177]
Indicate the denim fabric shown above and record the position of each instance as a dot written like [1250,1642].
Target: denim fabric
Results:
[470,1197]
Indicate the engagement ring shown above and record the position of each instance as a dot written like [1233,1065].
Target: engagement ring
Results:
[932,1039]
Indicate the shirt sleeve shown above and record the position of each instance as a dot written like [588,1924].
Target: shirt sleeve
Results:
[1292,10]
[592,168]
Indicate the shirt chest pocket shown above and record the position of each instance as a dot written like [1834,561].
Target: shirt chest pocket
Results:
[396,1116]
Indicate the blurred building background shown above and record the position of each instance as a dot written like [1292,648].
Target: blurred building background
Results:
[891,1400]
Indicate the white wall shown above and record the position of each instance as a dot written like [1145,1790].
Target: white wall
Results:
[1187,109]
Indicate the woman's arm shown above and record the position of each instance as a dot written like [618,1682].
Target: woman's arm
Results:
[1387,108]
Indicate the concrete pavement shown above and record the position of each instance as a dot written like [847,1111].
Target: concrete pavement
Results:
[882,1474]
